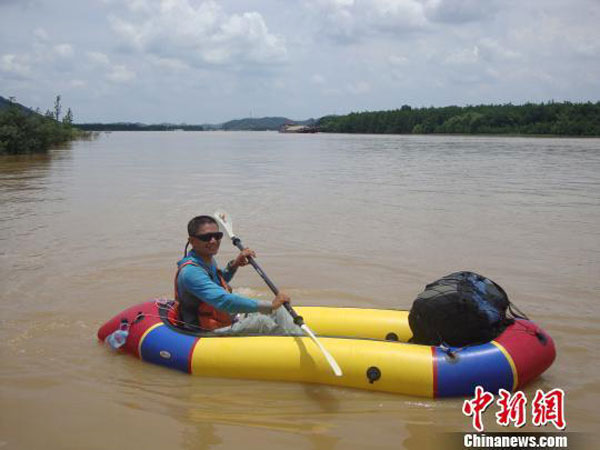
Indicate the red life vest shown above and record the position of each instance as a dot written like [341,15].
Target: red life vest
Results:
[210,318]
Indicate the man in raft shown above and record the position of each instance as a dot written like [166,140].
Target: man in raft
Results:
[205,300]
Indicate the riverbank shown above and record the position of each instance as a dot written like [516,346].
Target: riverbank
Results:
[544,119]
[23,131]
[536,120]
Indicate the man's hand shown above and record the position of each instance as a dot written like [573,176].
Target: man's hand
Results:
[280,299]
[242,259]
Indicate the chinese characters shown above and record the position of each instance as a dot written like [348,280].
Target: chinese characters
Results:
[546,408]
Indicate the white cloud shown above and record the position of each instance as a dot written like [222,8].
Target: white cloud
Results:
[200,32]
[460,11]
[492,50]
[279,84]
[317,79]
[397,15]
[485,51]
[41,57]
[131,5]
[336,18]
[464,56]
[98,58]
[336,3]
[554,36]
[78,84]
[114,72]
[63,50]
[15,65]
[359,87]
[351,21]
[172,64]
[588,47]
[398,60]
[41,35]
[22,3]
[120,74]
[131,35]
[138,5]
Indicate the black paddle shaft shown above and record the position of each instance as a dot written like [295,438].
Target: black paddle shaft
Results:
[298,320]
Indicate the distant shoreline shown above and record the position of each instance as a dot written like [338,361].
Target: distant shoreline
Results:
[551,119]
[542,136]
[544,119]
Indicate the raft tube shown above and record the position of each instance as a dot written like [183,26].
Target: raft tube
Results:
[370,345]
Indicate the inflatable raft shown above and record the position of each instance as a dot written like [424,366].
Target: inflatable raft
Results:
[370,345]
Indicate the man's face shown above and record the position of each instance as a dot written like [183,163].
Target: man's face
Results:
[206,248]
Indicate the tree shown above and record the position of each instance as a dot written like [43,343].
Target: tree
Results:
[26,131]
[68,119]
[57,108]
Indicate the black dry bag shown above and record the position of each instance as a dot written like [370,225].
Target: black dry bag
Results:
[462,308]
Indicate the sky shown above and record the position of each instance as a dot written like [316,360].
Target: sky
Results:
[205,61]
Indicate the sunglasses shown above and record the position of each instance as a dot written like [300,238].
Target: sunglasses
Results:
[206,237]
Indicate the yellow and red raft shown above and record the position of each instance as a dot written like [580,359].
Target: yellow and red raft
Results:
[370,345]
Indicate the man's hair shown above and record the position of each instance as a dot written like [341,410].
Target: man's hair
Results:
[195,224]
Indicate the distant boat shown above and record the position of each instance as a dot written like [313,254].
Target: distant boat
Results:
[293,128]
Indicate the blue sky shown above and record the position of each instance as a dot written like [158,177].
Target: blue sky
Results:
[199,61]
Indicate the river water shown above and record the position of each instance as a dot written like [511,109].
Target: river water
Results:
[346,220]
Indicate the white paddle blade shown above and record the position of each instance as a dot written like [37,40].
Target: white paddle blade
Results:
[332,362]
[224,221]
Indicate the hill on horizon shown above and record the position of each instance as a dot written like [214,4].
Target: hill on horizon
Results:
[246,124]
[6,103]
[261,124]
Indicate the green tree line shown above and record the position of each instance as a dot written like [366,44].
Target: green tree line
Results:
[562,119]
[127,126]
[25,131]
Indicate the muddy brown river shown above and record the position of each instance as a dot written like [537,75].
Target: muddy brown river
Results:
[339,220]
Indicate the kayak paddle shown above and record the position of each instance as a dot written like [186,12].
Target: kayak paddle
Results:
[225,223]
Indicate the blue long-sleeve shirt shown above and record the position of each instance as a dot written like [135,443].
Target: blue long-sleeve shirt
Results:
[196,284]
